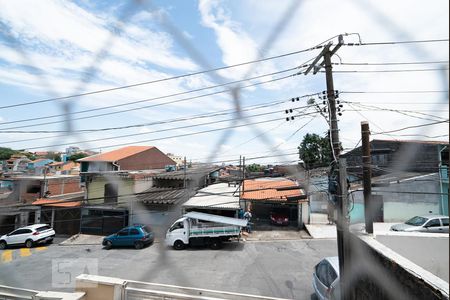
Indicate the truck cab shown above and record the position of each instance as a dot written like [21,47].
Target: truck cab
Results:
[178,234]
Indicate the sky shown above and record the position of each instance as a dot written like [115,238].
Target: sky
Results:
[101,75]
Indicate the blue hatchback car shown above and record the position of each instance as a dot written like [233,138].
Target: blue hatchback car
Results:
[137,236]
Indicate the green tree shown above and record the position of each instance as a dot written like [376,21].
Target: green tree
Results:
[5,153]
[77,156]
[315,151]
[254,168]
[53,156]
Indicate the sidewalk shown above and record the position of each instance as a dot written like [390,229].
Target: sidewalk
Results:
[319,228]
[272,235]
[82,239]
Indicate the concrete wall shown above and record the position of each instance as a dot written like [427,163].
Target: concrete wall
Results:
[402,200]
[377,272]
[126,186]
[428,250]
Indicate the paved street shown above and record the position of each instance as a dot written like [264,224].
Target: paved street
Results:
[278,268]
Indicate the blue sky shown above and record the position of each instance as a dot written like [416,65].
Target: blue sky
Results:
[53,48]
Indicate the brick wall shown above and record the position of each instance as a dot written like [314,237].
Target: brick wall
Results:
[146,160]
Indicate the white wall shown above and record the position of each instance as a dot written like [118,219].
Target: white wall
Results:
[428,250]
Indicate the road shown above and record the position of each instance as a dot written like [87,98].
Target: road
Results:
[268,268]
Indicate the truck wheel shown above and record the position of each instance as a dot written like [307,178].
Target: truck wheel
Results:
[215,244]
[178,245]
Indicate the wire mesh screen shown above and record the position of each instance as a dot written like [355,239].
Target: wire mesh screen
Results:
[105,76]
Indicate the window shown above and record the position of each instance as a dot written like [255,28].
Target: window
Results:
[444,221]
[111,192]
[177,225]
[321,272]
[33,189]
[123,232]
[416,221]
[134,231]
[43,228]
[433,223]
[21,231]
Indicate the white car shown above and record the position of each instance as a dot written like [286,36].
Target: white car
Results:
[425,223]
[28,236]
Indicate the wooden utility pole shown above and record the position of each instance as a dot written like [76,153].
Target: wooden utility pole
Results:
[342,210]
[367,176]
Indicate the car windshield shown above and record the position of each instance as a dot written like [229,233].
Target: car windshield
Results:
[416,221]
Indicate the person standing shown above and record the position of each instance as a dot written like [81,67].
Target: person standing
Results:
[248,217]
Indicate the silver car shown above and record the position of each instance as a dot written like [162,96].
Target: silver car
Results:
[326,279]
[426,223]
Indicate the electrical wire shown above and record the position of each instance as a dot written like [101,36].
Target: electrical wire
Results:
[168,137]
[390,63]
[387,71]
[148,100]
[396,42]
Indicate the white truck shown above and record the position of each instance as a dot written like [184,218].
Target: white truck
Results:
[195,228]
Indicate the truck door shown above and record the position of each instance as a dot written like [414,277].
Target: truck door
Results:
[178,231]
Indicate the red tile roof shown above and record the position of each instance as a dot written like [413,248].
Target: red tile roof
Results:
[270,190]
[56,203]
[118,154]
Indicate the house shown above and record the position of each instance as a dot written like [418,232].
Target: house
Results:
[17,163]
[127,158]
[386,155]
[179,160]
[64,168]
[38,166]
[16,201]
[264,195]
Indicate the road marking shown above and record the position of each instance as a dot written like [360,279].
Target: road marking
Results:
[41,248]
[25,252]
[7,256]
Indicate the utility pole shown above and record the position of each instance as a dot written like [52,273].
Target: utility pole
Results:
[367,176]
[341,195]
[184,173]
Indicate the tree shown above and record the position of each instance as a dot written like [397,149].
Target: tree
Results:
[77,156]
[254,168]
[315,151]
[53,156]
[5,153]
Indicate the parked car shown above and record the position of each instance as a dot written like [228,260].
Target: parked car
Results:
[137,236]
[426,223]
[28,236]
[279,217]
[326,279]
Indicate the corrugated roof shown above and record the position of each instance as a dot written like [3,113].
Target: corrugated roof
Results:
[280,190]
[56,203]
[215,196]
[163,195]
[117,154]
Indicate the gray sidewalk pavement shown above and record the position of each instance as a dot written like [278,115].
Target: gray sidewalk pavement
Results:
[320,229]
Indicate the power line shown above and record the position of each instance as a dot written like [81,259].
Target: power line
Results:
[410,127]
[390,63]
[168,129]
[162,79]
[169,137]
[189,118]
[388,71]
[397,42]
[391,92]
[151,99]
